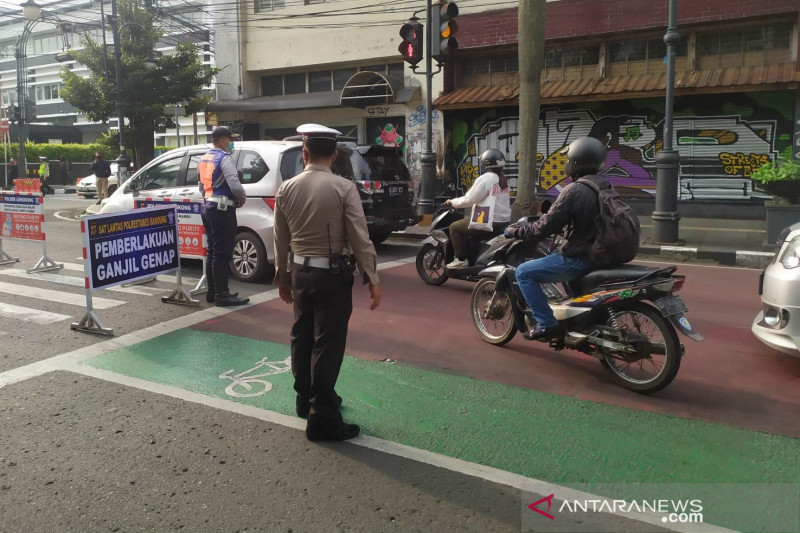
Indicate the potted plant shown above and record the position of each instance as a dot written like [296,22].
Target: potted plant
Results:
[781,179]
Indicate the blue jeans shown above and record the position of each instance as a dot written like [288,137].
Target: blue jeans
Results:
[549,269]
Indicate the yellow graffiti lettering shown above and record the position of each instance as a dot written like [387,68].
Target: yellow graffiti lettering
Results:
[740,164]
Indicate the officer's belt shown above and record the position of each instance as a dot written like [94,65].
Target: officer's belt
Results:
[221,200]
[316,262]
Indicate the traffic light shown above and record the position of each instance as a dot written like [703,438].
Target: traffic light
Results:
[411,47]
[30,110]
[12,112]
[444,28]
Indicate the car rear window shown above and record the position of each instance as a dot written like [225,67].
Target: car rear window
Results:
[291,163]
[387,166]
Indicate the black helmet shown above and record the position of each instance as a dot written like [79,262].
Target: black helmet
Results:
[492,159]
[584,156]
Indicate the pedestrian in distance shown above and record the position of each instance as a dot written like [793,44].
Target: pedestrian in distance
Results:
[575,208]
[44,176]
[13,170]
[102,171]
[318,221]
[65,166]
[223,193]
[492,182]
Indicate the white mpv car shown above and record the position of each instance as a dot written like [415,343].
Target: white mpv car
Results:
[261,165]
[379,173]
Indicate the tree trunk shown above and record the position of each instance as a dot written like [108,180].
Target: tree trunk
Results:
[531,25]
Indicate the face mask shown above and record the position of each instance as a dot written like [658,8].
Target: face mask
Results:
[230,147]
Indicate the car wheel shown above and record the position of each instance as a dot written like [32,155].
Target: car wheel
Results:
[249,262]
[378,236]
[111,189]
[88,195]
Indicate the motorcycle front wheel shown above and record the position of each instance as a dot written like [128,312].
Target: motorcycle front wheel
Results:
[654,356]
[431,263]
[492,313]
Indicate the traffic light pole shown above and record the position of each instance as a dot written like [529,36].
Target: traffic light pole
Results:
[428,157]
[123,163]
[22,95]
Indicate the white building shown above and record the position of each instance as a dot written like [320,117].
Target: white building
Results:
[58,121]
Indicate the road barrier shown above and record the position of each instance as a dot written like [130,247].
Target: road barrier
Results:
[22,218]
[125,247]
[192,242]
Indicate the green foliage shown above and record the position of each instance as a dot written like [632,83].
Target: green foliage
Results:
[780,170]
[74,152]
[149,84]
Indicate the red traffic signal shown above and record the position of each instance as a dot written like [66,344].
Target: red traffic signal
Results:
[411,47]
[445,28]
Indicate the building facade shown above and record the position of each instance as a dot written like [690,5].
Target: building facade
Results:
[737,103]
[57,121]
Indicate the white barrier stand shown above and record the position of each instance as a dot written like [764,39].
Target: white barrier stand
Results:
[126,247]
[192,240]
[6,259]
[179,295]
[22,218]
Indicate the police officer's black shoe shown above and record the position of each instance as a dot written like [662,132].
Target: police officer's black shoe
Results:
[342,431]
[229,300]
[210,296]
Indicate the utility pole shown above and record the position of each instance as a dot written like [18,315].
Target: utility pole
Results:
[530,28]
[123,163]
[665,215]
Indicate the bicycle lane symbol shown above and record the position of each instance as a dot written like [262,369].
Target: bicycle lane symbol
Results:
[248,384]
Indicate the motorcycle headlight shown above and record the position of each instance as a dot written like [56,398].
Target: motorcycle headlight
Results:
[790,258]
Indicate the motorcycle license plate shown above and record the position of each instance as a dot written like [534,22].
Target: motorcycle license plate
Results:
[396,190]
[671,305]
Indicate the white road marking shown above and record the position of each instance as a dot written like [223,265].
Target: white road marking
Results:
[70,361]
[27,314]
[79,282]
[57,296]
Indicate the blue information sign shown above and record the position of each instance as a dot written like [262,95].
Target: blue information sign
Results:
[129,246]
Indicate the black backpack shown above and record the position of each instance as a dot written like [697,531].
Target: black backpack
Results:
[618,230]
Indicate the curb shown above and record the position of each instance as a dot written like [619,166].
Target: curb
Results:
[738,258]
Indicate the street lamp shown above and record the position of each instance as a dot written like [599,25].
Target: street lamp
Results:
[665,215]
[31,12]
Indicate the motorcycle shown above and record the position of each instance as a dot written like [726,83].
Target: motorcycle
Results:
[437,251]
[625,316]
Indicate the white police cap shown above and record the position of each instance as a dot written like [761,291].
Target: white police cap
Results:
[317,131]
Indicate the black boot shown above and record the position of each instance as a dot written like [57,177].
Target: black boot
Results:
[222,297]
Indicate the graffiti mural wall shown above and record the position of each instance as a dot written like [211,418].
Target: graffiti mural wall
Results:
[721,140]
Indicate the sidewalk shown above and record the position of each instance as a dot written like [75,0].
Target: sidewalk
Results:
[730,242]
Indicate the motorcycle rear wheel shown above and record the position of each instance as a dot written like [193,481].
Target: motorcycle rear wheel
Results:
[431,264]
[649,370]
[495,325]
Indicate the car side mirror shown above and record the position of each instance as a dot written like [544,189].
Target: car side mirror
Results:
[133,187]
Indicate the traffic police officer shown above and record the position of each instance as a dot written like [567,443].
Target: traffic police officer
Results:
[223,193]
[318,215]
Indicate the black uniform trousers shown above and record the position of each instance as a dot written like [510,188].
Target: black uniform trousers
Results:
[220,229]
[323,303]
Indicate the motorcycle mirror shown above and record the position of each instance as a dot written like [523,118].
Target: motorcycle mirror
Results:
[545,207]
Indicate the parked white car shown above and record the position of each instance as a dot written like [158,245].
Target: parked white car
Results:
[778,323]
[87,187]
[262,167]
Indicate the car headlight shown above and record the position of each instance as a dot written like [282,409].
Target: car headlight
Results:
[790,258]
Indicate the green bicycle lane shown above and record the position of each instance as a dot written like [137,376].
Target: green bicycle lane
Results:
[539,435]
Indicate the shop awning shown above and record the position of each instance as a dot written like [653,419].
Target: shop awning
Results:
[368,88]
[275,103]
[734,79]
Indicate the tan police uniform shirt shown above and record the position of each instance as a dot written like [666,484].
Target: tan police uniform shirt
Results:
[317,212]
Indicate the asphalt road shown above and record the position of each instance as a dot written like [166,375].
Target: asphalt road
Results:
[137,432]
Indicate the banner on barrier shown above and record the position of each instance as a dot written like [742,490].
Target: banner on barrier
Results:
[22,216]
[130,246]
[191,232]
